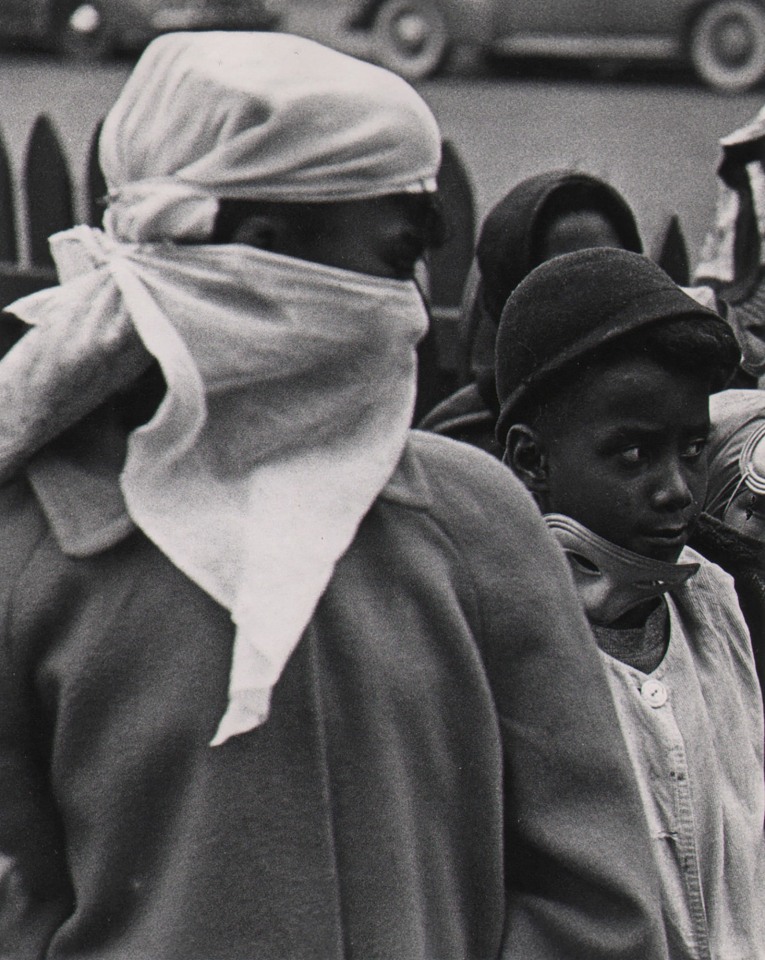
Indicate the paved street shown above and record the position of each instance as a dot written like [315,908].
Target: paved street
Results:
[656,142]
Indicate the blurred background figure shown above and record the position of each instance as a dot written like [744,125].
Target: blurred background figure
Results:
[731,271]
[552,213]
[731,530]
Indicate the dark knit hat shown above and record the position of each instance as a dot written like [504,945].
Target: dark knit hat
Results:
[570,306]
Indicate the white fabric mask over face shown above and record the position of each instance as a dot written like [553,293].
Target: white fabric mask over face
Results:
[609,579]
[291,388]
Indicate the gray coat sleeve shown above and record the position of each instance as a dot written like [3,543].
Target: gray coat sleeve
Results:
[34,889]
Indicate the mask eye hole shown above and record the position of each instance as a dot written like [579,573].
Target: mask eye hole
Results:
[585,565]
[653,585]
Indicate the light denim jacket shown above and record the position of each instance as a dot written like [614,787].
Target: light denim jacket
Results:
[694,729]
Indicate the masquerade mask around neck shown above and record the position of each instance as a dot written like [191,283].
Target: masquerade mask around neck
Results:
[609,579]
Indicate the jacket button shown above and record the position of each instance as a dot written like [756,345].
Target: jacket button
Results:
[655,693]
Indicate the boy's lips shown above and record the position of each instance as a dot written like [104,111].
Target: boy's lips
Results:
[668,536]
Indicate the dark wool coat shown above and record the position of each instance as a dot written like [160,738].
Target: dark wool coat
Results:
[367,818]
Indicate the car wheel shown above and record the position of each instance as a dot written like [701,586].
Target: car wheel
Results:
[82,30]
[727,45]
[410,37]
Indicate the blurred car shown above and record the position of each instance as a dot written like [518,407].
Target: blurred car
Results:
[89,29]
[415,37]
[723,40]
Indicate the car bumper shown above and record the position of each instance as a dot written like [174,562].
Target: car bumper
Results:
[216,16]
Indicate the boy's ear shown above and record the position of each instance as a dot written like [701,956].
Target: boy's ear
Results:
[526,455]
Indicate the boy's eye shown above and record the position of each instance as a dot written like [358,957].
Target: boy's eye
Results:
[694,449]
[632,454]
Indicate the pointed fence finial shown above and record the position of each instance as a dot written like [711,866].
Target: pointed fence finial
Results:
[670,251]
[47,190]
[9,248]
[95,184]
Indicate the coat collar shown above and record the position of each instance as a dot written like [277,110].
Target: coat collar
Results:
[76,480]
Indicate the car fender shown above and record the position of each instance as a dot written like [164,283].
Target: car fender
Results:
[694,11]
[472,21]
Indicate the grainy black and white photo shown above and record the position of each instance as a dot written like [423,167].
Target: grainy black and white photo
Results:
[382,480]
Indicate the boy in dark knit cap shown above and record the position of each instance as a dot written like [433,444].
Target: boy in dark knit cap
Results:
[604,369]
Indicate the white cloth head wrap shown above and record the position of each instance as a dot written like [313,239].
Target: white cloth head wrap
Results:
[256,116]
[290,385]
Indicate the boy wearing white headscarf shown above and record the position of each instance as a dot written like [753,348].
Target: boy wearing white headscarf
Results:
[279,678]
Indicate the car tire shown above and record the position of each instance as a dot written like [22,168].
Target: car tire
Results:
[82,30]
[727,45]
[410,37]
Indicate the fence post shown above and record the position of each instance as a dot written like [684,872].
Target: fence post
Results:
[448,268]
[95,182]
[670,251]
[47,190]
[9,247]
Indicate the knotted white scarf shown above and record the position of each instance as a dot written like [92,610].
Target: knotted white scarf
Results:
[256,116]
[290,386]
[290,391]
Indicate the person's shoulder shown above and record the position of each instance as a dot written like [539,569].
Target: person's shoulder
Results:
[444,450]
[716,628]
[450,468]
[709,572]
[711,592]
[460,486]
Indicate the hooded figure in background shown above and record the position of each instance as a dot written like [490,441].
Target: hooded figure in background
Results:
[279,677]
[541,217]
[730,275]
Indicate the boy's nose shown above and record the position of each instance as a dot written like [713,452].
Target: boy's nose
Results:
[673,491]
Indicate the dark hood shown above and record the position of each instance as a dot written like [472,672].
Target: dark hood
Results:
[510,239]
